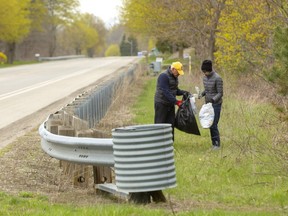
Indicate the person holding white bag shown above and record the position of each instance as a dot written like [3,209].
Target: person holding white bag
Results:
[213,92]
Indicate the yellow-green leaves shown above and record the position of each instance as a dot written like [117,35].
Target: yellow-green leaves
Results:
[81,35]
[113,50]
[14,20]
[243,38]
[3,58]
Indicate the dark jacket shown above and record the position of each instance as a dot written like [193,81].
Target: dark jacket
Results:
[167,88]
[213,85]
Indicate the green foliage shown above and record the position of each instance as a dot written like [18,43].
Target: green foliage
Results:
[279,73]
[37,14]
[237,35]
[80,34]
[128,47]
[162,20]
[113,50]
[15,22]
[164,46]
[58,13]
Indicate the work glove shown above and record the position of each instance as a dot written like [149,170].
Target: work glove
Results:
[179,103]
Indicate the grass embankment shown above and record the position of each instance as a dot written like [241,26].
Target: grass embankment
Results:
[246,177]
[248,173]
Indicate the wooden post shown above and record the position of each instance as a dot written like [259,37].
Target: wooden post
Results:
[102,174]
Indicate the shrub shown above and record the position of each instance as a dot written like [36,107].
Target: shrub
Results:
[113,50]
[3,58]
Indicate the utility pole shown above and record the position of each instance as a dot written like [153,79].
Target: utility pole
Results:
[131,47]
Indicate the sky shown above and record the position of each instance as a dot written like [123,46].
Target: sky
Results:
[107,10]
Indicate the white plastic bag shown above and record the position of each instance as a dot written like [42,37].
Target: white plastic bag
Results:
[193,104]
[206,115]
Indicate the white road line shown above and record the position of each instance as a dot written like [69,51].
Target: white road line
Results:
[39,85]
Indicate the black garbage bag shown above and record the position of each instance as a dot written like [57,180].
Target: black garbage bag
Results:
[185,119]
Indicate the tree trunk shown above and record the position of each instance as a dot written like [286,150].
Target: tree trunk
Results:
[181,52]
[11,47]
[212,39]
[53,41]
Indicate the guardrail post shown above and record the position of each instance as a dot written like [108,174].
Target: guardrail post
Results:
[80,173]
[65,124]
[101,174]
[54,121]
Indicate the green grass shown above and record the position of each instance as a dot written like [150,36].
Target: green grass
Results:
[246,177]
[243,173]
[17,63]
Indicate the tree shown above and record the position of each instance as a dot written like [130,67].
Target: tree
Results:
[113,50]
[100,42]
[128,47]
[59,13]
[160,19]
[182,23]
[280,69]
[164,46]
[15,24]
[81,35]
[243,39]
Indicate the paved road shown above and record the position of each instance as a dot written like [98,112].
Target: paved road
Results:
[27,89]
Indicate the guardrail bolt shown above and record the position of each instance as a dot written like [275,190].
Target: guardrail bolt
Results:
[81,179]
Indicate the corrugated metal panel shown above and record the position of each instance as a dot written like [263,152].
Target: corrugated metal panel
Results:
[144,157]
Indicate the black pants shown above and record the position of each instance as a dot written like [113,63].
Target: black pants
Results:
[164,114]
[214,132]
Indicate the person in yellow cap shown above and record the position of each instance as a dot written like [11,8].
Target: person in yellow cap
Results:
[165,95]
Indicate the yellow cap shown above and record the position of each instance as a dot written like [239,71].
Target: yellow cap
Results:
[178,67]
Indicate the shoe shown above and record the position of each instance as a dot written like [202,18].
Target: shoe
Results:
[215,147]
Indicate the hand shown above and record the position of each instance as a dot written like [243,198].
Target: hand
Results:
[210,101]
[179,103]
[186,94]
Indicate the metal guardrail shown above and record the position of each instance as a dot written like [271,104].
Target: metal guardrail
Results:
[96,104]
[39,58]
[143,155]
[91,151]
